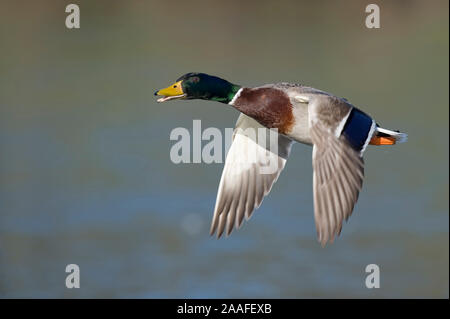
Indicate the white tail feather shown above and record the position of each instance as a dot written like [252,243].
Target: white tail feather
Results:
[399,137]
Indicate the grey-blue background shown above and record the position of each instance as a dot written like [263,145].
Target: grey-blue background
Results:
[85,174]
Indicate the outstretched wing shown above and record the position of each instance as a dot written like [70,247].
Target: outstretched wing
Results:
[338,166]
[255,160]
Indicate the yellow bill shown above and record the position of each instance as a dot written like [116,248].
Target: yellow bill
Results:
[175,91]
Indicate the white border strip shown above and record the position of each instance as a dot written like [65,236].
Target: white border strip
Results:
[236,96]
[341,125]
[369,137]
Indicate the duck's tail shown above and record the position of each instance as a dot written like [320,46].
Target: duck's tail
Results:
[383,136]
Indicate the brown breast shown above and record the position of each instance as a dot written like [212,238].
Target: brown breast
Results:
[269,106]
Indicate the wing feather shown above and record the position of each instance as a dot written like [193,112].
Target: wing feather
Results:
[244,184]
[338,171]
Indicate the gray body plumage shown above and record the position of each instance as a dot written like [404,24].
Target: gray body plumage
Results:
[338,168]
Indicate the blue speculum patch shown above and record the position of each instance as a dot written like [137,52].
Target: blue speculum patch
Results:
[357,128]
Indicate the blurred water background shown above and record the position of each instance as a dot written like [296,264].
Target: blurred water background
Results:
[85,173]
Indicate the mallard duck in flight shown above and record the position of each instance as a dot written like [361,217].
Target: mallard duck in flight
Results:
[337,130]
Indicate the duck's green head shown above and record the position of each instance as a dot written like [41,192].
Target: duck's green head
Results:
[199,86]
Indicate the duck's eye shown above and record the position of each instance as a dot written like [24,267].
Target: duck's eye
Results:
[174,86]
